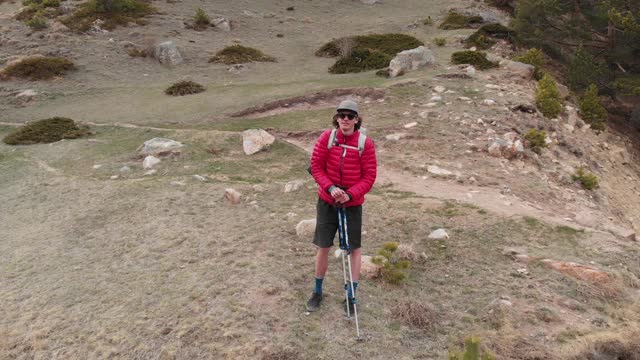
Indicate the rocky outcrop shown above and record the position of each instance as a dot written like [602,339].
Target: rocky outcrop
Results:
[255,140]
[167,54]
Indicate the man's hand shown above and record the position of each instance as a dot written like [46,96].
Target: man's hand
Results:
[339,195]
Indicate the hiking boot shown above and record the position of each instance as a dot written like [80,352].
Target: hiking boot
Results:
[352,309]
[314,303]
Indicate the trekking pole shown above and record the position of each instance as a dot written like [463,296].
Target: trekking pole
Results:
[343,249]
[342,216]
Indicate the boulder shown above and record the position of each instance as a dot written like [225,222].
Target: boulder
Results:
[517,70]
[167,53]
[306,228]
[232,196]
[410,60]
[159,146]
[255,140]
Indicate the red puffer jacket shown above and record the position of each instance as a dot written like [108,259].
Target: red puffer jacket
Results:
[352,172]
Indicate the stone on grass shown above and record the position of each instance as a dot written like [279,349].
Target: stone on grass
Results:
[125,169]
[410,60]
[150,161]
[435,170]
[167,53]
[396,137]
[232,196]
[439,89]
[439,234]
[410,125]
[406,252]
[255,140]
[222,23]
[292,186]
[158,146]
[306,228]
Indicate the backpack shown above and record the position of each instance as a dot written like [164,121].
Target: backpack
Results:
[332,141]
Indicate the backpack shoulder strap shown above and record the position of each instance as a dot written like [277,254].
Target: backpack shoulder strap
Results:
[332,138]
[361,141]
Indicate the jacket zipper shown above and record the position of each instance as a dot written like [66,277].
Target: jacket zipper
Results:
[344,153]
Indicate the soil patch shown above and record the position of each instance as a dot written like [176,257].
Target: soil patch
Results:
[317,100]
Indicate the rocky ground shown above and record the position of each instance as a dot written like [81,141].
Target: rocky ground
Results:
[102,258]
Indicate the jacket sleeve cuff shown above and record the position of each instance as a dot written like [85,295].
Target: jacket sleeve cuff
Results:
[330,189]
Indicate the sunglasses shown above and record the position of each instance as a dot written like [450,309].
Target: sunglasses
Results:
[347,116]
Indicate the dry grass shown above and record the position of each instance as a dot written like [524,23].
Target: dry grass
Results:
[417,315]
[621,343]
[238,54]
[185,87]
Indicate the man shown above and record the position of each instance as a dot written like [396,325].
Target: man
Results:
[344,171]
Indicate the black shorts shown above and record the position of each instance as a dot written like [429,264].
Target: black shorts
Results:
[327,225]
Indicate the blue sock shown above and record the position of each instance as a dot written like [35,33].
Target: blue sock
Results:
[318,289]
[355,287]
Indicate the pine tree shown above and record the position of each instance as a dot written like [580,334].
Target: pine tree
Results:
[548,97]
[591,110]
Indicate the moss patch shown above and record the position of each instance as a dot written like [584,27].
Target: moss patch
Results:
[182,88]
[454,20]
[361,60]
[112,12]
[238,54]
[475,58]
[39,68]
[46,131]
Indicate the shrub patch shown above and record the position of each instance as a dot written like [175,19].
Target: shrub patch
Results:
[366,52]
[475,58]
[454,20]
[238,54]
[46,131]
[548,98]
[113,12]
[39,68]
[182,88]
[484,38]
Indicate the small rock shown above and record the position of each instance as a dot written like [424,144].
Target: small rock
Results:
[436,98]
[410,125]
[125,169]
[292,186]
[435,170]
[150,161]
[439,89]
[201,178]
[232,196]
[489,102]
[96,167]
[114,177]
[150,172]
[177,183]
[439,234]
[396,137]
[259,188]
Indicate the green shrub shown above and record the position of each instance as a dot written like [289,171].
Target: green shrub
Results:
[113,12]
[480,40]
[475,58]
[533,57]
[586,179]
[361,60]
[37,10]
[39,68]
[440,41]
[135,52]
[536,140]
[427,21]
[201,20]
[46,131]
[182,88]
[591,110]
[390,44]
[393,269]
[471,351]
[454,20]
[37,23]
[383,72]
[584,70]
[627,84]
[548,98]
[238,54]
